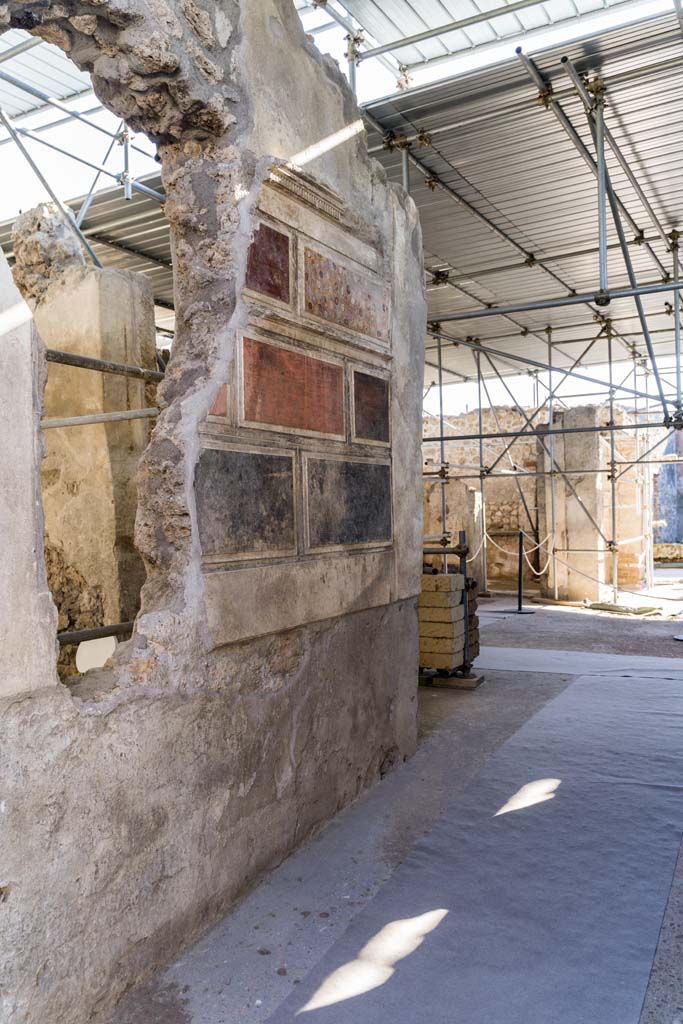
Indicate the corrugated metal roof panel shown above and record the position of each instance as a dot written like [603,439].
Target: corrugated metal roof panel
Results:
[45,67]
[508,157]
[128,235]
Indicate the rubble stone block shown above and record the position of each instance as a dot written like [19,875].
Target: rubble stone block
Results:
[446,583]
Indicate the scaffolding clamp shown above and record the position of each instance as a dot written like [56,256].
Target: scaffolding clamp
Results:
[423,138]
[440,276]
[404,81]
[431,182]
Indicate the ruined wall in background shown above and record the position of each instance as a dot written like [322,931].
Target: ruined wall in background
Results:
[586,549]
[142,802]
[668,494]
[505,509]
[89,473]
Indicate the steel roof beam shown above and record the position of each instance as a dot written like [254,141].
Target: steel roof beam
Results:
[564,300]
[18,83]
[527,361]
[16,51]
[613,145]
[530,258]
[551,103]
[451,26]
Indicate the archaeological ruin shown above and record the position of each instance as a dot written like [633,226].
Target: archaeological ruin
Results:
[342,506]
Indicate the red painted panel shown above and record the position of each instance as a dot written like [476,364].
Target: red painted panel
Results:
[268,263]
[342,296]
[220,406]
[289,389]
[371,407]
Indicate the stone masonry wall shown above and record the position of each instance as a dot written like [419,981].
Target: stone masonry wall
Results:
[89,472]
[525,502]
[505,510]
[139,805]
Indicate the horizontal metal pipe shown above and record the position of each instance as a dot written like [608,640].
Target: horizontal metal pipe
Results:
[541,433]
[451,26]
[526,361]
[78,636]
[102,365]
[135,185]
[511,475]
[99,417]
[556,257]
[18,83]
[15,51]
[566,300]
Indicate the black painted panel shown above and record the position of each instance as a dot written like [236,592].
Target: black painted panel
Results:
[348,502]
[245,502]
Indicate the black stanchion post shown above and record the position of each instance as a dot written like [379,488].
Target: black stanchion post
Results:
[520,579]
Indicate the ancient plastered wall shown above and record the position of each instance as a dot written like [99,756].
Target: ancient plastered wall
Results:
[89,472]
[28,620]
[152,794]
[588,576]
[300,439]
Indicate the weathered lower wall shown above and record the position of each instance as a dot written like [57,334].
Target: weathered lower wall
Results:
[149,814]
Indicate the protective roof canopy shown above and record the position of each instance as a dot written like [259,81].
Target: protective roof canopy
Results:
[494,144]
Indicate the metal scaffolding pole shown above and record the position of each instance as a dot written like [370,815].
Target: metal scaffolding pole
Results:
[555,432]
[18,83]
[526,361]
[65,211]
[599,112]
[87,202]
[612,544]
[580,86]
[451,26]
[677,322]
[553,509]
[99,417]
[594,114]
[550,102]
[123,178]
[563,300]
[442,448]
[405,168]
[482,483]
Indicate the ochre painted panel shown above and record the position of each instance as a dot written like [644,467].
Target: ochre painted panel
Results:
[345,297]
[268,263]
[292,390]
[371,407]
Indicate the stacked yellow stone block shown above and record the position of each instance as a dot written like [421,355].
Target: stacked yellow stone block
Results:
[441,613]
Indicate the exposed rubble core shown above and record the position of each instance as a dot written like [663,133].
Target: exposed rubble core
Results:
[216,744]
[44,248]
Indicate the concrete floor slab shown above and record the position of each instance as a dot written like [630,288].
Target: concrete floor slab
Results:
[539,895]
[529,659]
[298,912]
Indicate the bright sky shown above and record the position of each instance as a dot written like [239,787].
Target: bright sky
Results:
[459,398]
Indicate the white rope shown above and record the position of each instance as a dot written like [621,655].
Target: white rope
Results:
[568,565]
